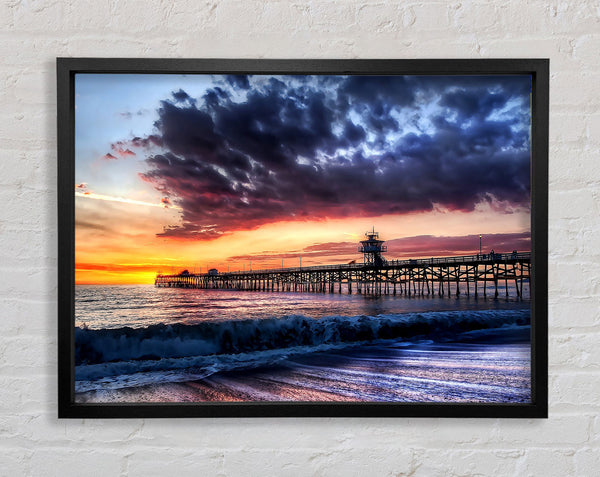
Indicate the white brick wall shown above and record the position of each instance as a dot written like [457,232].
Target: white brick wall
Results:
[33,33]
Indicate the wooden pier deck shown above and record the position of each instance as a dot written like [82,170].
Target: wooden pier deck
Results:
[442,276]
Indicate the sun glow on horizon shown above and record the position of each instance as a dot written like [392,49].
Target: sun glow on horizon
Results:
[122,258]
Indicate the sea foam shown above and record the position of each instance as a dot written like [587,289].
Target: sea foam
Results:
[250,335]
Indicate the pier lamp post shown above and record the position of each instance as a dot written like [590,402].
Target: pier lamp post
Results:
[479,244]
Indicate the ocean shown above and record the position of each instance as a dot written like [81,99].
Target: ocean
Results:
[146,344]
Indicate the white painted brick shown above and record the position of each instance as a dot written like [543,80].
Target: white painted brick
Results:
[585,48]
[561,204]
[11,350]
[587,461]
[547,462]
[595,440]
[15,462]
[103,431]
[431,16]
[592,133]
[335,16]
[467,462]
[34,442]
[576,279]
[92,463]
[584,97]
[556,17]
[572,238]
[43,15]
[574,169]
[160,461]
[89,16]
[558,48]
[266,18]
[575,388]
[129,45]
[471,17]
[574,132]
[575,350]
[33,283]
[21,395]
[23,316]
[572,312]
[381,17]
[321,462]
[574,430]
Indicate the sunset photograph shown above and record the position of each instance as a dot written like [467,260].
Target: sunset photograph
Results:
[301,238]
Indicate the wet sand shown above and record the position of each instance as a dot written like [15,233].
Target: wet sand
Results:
[394,372]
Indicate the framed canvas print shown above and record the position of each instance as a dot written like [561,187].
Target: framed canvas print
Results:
[302,237]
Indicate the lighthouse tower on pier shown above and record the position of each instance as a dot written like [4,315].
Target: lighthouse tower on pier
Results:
[372,248]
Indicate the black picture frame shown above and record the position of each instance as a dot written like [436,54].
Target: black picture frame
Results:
[67,68]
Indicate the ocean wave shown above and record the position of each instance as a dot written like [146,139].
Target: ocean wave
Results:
[251,335]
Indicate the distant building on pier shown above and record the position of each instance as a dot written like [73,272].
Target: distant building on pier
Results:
[372,249]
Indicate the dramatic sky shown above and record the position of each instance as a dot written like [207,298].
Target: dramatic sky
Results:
[234,172]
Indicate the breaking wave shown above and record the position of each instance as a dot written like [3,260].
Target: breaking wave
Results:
[243,336]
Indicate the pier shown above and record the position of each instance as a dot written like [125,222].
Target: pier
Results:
[442,276]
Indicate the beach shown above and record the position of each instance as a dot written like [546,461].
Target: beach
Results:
[142,344]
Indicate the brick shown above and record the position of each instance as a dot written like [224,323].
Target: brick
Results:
[584,97]
[469,17]
[267,18]
[431,16]
[11,350]
[547,462]
[573,430]
[561,208]
[574,278]
[576,388]
[34,442]
[573,167]
[162,461]
[558,48]
[38,16]
[573,312]
[15,462]
[587,461]
[93,463]
[467,462]
[568,128]
[585,49]
[333,16]
[575,350]
[592,131]
[380,17]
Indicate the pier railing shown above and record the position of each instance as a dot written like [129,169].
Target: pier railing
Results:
[462,259]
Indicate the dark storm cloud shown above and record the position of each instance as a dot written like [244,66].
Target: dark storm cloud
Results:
[147,142]
[181,97]
[315,147]
[238,81]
